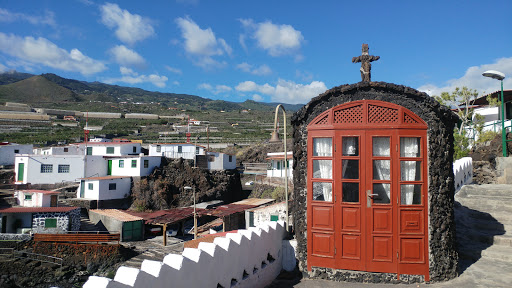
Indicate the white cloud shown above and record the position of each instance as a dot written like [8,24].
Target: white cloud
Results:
[132,77]
[257,98]
[127,57]
[218,89]
[3,68]
[261,70]
[473,79]
[201,44]
[277,40]
[130,28]
[43,52]
[47,19]
[173,70]
[285,91]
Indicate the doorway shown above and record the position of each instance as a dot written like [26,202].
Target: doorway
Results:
[367,190]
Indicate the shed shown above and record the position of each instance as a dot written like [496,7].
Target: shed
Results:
[131,227]
[373,185]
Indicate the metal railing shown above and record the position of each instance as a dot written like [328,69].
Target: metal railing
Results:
[38,257]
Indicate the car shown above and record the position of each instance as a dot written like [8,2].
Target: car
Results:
[249,183]
[172,230]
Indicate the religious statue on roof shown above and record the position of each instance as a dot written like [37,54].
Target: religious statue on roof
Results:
[366,66]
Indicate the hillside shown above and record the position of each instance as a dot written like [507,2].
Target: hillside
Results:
[51,88]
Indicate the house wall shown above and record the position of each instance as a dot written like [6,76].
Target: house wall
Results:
[32,170]
[25,221]
[71,150]
[38,199]
[262,215]
[119,149]
[138,171]
[171,150]
[112,225]
[66,221]
[489,113]
[443,259]
[233,256]
[221,161]
[274,172]
[101,190]
[7,152]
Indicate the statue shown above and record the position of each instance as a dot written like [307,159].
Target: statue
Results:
[366,66]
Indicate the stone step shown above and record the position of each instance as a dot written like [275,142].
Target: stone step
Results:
[498,216]
[487,204]
[484,238]
[480,224]
[485,189]
[503,253]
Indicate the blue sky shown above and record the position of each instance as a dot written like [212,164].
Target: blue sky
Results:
[270,51]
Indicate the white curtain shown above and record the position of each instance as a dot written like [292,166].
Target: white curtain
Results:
[349,146]
[382,168]
[322,147]
[408,148]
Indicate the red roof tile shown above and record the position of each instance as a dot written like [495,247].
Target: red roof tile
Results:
[36,209]
[39,191]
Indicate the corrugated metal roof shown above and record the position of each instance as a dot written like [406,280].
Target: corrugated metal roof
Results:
[36,209]
[255,201]
[168,216]
[117,214]
[229,209]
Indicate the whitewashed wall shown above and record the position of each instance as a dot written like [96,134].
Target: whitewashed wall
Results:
[100,188]
[463,172]
[237,260]
[8,152]
[128,170]
[120,149]
[188,150]
[221,161]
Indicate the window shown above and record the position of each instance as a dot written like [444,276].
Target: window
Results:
[91,186]
[28,197]
[50,223]
[180,149]
[121,163]
[110,150]
[197,150]
[64,168]
[230,158]
[158,148]
[112,186]
[134,163]
[89,150]
[16,151]
[146,163]
[46,168]
[134,149]
[274,217]
[66,149]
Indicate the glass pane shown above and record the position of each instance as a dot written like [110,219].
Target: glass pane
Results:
[383,190]
[350,169]
[381,169]
[322,169]
[322,191]
[410,194]
[410,170]
[350,146]
[322,147]
[380,146]
[409,147]
[350,192]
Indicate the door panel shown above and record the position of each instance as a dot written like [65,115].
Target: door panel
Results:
[323,217]
[109,168]
[21,171]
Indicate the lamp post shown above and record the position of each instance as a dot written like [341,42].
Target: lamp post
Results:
[275,139]
[500,76]
[195,218]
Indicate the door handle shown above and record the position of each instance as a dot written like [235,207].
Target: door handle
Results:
[371,195]
[369,198]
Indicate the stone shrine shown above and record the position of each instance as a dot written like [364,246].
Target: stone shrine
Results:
[373,197]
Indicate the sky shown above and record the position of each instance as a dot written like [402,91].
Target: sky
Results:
[269,51]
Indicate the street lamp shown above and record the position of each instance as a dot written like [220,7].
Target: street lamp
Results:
[500,76]
[275,139]
[195,218]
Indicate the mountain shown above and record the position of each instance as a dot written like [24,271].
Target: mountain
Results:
[32,89]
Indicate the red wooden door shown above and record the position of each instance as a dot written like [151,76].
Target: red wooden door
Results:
[368,211]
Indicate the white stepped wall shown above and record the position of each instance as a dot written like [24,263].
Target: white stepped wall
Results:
[211,263]
[463,172]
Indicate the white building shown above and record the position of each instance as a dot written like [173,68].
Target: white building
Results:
[138,166]
[276,164]
[176,150]
[9,150]
[111,148]
[52,169]
[221,161]
[60,150]
[36,198]
[104,188]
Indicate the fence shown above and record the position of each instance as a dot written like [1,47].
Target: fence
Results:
[38,257]
[463,172]
[247,258]
[75,236]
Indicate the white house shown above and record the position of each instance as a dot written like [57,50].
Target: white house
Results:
[111,148]
[60,150]
[51,169]
[176,150]
[9,150]
[221,161]
[36,198]
[104,188]
[276,164]
[132,165]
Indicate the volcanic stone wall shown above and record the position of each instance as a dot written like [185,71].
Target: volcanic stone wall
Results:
[443,256]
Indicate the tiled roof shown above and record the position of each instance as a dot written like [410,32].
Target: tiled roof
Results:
[40,191]
[36,209]
[117,214]
[208,238]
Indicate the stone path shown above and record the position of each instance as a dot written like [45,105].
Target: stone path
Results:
[483,214]
[153,249]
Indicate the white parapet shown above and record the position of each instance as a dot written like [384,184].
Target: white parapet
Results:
[246,258]
[463,172]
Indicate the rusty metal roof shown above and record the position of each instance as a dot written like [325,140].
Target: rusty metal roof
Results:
[119,215]
[254,201]
[167,216]
[228,209]
[36,209]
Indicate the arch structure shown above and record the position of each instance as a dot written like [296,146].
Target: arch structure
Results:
[373,185]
